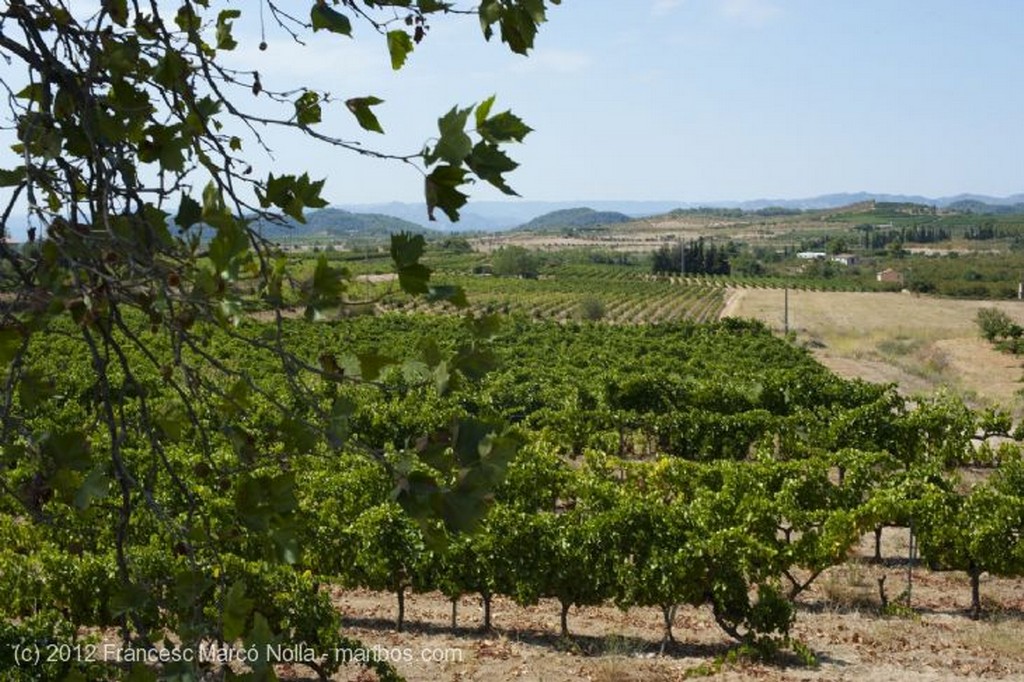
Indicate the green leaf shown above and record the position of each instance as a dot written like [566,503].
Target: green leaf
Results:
[261,639]
[454,145]
[325,288]
[237,608]
[190,586]
[483,110]
[129,598]
[34,389]
[118,11]
[34,92]
[166,145]
[225,41]
[413,279]
[296,435]
[324,17]
[455,295]
[141,673]
[237,399]
[360,108]
[418,494]
[189,212]
[407,248]
[338,423]
[172,420]
[435,452]
[399,45]
[489,162]
[187,19]
[503,127]
[292,194]
[441,189]
[215,213]
[462,511]
[432,6]
[265,505]
[442,378]
[518,21]
[430,352]
[307,108]
[486,326]
[228,249]
[171,70]
[470,435]
[285,539]
[95,486]
[262,501]
[10,343]
[370,365]
[12,178]
[475,363]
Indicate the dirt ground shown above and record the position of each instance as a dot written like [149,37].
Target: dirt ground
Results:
[920,343]
[839,618]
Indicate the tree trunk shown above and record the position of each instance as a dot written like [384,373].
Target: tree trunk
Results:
[878,545]
[668,614]
[455,611]
[727,627]
[565,618]
[487,610]
[401,607]
[972,570]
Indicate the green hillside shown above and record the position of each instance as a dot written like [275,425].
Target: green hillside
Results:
[334,222]
[575,218]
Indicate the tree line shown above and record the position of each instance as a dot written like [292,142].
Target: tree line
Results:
[695,257]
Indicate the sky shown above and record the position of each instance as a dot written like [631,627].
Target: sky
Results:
[699,100]
[685,100]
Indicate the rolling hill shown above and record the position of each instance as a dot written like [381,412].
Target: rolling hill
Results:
[336,223]
[575,218]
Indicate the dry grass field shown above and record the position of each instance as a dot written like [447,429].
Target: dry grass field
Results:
[922,344]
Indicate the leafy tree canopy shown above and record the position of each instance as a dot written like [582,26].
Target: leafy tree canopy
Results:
[131,134]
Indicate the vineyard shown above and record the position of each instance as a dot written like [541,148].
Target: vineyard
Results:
[623,300]
[228,459]
[568,289]
[709,466]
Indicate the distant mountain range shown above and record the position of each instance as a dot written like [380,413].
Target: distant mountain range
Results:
[827,201]
[373,221]
[489,216]
[492,216]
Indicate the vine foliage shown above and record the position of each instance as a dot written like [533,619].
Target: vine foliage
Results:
[131,158]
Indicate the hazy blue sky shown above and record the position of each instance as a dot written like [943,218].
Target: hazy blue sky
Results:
[690,100]
[706,99]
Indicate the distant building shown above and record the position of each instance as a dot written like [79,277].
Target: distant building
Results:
[891,276]
[845,259]
[811,255]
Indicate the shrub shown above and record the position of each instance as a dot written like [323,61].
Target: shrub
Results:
[591,308]
[996,325]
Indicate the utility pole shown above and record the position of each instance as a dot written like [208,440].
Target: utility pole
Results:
[785,309]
